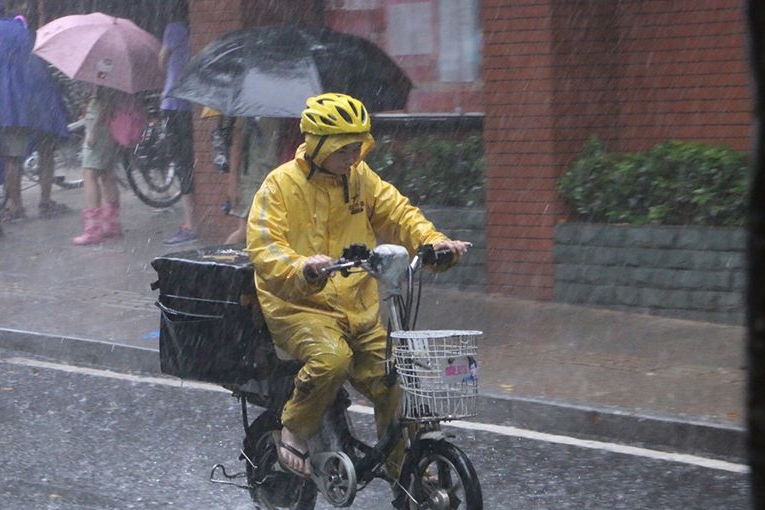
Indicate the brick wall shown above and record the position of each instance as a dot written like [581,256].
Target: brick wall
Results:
[683,73]
[519,138]
[559,71]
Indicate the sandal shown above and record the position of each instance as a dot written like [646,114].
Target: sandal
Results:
[7,215]
[52,209]
[280,445]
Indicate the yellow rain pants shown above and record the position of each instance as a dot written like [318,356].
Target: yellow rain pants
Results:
[335,350]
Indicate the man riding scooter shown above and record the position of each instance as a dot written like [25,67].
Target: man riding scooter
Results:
[304,214]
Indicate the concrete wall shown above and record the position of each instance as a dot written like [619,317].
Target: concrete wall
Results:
[465,225]
[695,273]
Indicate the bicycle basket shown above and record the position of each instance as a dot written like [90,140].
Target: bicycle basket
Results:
[438,371]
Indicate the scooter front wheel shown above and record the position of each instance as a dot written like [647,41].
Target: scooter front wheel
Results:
[441,477]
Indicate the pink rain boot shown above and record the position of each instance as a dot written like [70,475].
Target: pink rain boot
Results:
[110,220]
[92,233]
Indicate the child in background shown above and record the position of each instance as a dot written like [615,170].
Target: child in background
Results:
[100,154]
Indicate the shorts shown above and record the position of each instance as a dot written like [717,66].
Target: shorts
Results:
[102,155]
[179,133]
[248,184]
[14,142]
[47,141]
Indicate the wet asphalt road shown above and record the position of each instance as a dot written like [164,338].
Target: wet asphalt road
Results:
[74,440]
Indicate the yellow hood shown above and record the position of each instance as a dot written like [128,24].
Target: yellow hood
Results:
[335,142]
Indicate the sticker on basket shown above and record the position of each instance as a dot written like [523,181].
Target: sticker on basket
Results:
[463,369]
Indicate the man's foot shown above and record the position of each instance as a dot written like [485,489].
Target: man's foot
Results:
[184,235]
[292,453]
[8,215]
[52,209]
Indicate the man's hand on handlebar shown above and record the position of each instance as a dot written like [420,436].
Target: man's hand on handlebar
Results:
[312,269]
[458,248]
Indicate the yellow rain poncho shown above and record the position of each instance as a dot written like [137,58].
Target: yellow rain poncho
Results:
[334,329]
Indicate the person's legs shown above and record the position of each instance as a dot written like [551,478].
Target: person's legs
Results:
[179,137]
[187,201]
[110,188]
[45,172]
[14,208]
[239,235]
[91,214]
[110,210]
[46,148]
[92,188]
[13,148]
[318,341]
[368,376]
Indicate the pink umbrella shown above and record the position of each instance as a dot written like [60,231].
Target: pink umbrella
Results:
[102,49]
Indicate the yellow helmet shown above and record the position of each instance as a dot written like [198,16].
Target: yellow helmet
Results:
[334,114]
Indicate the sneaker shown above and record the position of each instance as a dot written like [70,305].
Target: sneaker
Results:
[52,209]
[6,215]
[184,235]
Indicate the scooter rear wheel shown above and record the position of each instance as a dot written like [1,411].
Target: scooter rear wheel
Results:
[273,488]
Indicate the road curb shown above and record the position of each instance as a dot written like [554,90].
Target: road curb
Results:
[664,433]
[719,440]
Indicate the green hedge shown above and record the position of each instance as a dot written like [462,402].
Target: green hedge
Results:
[433,170]
[675,183]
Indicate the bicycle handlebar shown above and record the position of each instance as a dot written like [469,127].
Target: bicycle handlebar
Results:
[359,256]
[433,257]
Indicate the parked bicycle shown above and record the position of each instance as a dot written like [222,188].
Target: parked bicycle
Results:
[151,170]
[437,371]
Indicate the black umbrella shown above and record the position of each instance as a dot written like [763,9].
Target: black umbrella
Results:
[270,71]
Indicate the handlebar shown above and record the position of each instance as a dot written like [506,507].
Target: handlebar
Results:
[391,265]
[359,256]
[433,257]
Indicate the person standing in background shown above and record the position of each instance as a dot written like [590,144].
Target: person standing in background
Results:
[257,147]
[99,157]
[48,122]
[172,58]
[15,48]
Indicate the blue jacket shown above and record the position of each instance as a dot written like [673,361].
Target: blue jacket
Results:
[15,48]
[46,110]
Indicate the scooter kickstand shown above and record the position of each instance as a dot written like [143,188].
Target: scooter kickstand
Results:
[229,477]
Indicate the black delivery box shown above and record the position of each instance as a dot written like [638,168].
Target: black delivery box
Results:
[211,328]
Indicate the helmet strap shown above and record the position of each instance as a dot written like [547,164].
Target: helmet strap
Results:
[319,145]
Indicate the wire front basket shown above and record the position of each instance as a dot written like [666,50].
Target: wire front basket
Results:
[438,370]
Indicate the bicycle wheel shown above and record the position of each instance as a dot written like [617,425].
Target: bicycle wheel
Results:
[155,184]
[276,489]
[441,477]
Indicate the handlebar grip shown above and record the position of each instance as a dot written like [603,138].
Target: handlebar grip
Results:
[431,257]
